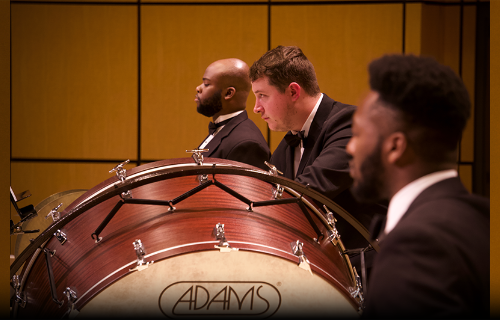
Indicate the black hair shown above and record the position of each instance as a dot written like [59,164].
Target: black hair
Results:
[430,97]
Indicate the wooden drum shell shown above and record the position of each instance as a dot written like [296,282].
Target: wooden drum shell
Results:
[88,267]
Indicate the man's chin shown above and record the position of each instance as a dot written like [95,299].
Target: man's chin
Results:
[364,195]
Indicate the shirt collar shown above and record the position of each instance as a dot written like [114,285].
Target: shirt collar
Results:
[227,116]
[307,124]
[402,200]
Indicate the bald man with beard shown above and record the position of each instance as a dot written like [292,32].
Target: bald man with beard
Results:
[223,96]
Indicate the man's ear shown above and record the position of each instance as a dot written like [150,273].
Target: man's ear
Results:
[230,91]
[396,148]
[295,90]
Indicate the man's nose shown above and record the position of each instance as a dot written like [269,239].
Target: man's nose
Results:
[198,89]
[350,148]
[257,108]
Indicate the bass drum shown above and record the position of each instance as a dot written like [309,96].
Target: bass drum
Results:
[180,240]
[43,208]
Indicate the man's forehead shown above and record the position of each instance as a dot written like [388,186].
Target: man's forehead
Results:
[213,70]
[261,83]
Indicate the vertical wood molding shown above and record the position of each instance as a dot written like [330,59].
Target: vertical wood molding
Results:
[494,157]
[5,154]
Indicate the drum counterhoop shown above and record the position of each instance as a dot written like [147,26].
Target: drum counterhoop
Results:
[209,239]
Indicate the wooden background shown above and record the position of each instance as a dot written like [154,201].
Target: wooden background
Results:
[94,83]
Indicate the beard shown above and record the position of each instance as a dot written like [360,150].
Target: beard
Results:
[211,105]
[369,188]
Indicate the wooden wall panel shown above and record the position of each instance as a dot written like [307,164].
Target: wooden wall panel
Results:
[465,174]
[340,41]
[74,81]
[441,34]
[178,43]
[440,38]
[469,78]
[413,28]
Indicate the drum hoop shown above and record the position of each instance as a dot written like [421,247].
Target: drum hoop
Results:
[150,255]
[51,198]
[164,172]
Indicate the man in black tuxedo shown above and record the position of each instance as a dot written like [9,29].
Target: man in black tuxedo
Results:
[434,256]
[223,96]
[289,99]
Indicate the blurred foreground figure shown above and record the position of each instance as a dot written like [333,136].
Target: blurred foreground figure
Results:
[434,256]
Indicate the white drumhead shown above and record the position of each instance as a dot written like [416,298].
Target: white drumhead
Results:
[216,285]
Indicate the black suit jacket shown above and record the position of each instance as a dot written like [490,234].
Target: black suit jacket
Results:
[435,262]
[325,165]
[240,140]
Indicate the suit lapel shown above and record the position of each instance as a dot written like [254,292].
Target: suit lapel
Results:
[289,163]
[215,142]
[451,187]
[324,109]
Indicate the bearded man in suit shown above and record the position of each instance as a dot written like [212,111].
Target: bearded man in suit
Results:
[434,248]
[223,96]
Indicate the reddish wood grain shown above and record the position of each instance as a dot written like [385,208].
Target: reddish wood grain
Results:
[81,263]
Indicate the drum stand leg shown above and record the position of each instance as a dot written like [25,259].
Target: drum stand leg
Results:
[362,251]
[48,256]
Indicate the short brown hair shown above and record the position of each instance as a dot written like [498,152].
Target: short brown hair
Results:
[284,65]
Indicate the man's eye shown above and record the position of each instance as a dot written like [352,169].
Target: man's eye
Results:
[206,84]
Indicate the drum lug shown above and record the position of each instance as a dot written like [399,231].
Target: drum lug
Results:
[140,252]
[219,234]
[333,234]
[357,292]
[54,213]
[126,195]
[120,172]
[273,171]
[17,297]
[278,192]
[198,159]
[61,236]
[71,296]
[197,155]
[298,251]
[202,178]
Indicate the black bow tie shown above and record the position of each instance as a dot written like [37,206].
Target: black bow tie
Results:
[213,126]
[293,140]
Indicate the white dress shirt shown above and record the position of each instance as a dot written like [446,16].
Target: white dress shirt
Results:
[307,125]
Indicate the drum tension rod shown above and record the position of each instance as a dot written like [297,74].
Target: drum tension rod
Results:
[319,234]
[272,202]
[232,192]
[48,256]
[106,220]
[168,203]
